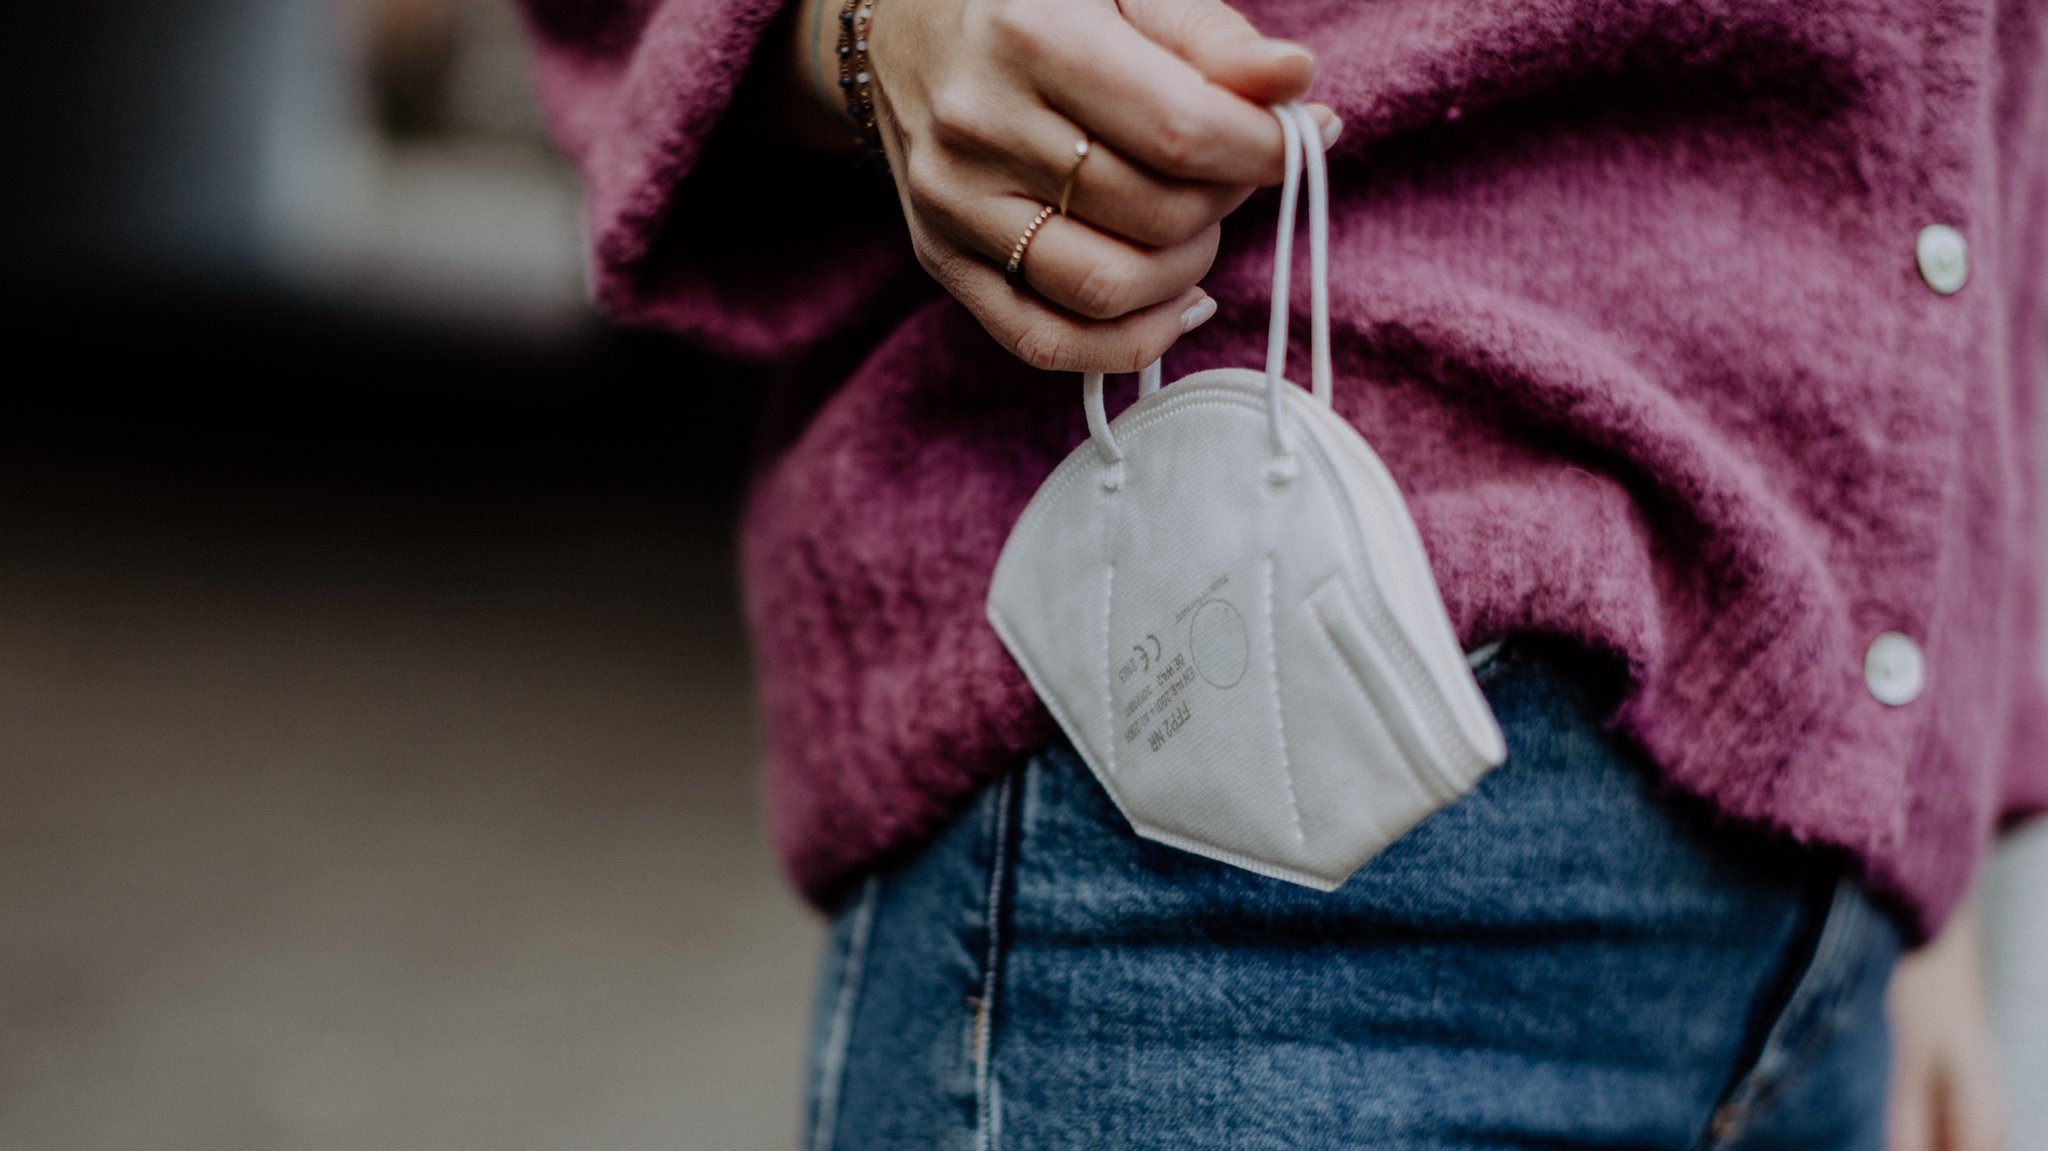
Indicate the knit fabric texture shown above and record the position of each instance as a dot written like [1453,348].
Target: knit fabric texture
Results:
[1626,296]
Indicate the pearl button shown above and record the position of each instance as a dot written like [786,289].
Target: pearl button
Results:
[1944,258]
[1894,670]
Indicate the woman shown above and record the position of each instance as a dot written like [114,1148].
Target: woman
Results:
[1703,340]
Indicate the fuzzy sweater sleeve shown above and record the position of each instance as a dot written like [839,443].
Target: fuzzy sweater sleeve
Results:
[698,220]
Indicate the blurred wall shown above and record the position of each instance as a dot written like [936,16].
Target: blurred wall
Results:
[136,132]
[376,750]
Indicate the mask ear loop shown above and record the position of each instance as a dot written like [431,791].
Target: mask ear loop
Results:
[1098,420]
[1282,467]
[1098,430]
[1321,373]
[1302,148]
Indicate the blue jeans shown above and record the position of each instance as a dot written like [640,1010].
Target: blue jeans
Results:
[1564,957]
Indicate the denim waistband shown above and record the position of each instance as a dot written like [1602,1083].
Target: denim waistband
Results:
[1567,954]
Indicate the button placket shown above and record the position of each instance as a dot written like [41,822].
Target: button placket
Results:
[1894,670]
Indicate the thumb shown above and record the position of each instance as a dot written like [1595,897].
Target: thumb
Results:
[1224,47]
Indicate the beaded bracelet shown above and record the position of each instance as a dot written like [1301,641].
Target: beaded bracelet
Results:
[856,80]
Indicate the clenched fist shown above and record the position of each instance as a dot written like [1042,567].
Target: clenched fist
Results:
[980,106]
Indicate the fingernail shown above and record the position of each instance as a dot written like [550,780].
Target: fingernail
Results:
[1197,314]
[1332,129]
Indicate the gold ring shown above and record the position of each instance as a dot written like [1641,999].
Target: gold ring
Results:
[1014,270]
[1081,147]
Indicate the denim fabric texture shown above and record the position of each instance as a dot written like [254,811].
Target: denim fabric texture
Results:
[1564,957]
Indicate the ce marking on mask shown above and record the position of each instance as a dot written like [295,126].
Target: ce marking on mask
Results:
[1206,641]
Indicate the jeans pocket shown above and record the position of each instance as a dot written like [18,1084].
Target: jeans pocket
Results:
[1003,827]
[1827,985]
[839,978]
[908,1015]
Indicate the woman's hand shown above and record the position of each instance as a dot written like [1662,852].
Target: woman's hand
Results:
[981,103]
[1944,1089]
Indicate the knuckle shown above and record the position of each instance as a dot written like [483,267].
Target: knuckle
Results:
[940,261]
[957,116]
[1181,139]
[1020,29]
[936,264]
[1104,289]
[1042,345]
[1169,220]
[925,178]
[1206,23]
[941,266]
[1128,355]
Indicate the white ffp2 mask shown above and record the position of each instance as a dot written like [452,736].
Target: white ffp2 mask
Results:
[1223,601]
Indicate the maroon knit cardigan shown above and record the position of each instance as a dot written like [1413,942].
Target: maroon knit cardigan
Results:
[1626,294]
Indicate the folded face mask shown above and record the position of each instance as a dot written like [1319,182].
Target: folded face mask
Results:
[1223,601]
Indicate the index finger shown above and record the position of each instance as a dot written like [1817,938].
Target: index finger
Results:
[1150,105]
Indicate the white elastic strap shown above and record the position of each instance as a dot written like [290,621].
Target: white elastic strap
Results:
[1098,413]
[1283,273]
[1098,418]
[1320,372]
[1302,143]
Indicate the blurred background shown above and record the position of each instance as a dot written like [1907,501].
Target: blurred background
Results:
[376,754]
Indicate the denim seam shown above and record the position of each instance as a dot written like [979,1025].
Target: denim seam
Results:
[1823,1011]
[1798,1030]
[832,1067]
[988,1108]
